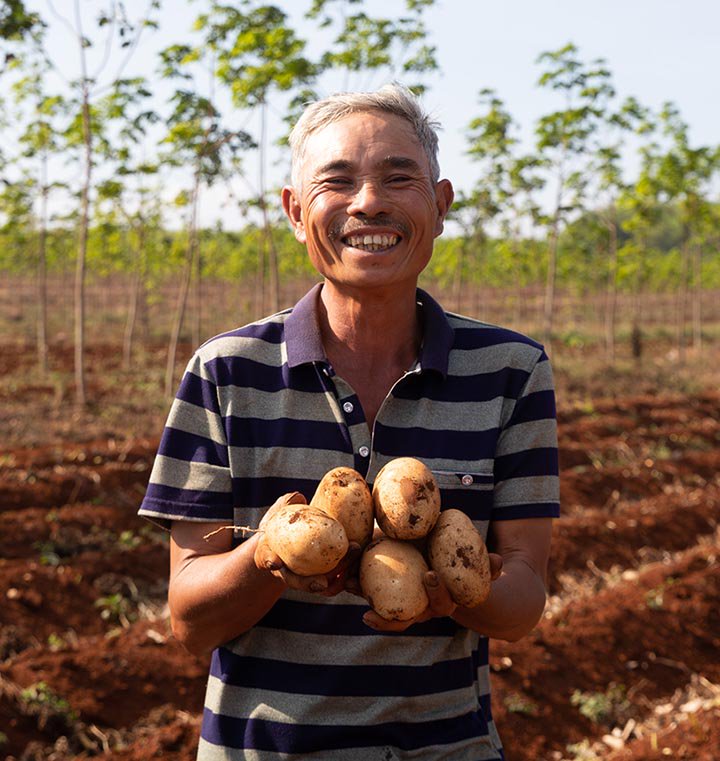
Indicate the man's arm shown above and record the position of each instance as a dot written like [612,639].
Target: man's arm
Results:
[517,597]
[217,592]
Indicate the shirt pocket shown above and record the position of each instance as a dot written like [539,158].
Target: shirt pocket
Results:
[469,491]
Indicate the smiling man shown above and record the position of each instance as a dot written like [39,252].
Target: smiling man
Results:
[365,368]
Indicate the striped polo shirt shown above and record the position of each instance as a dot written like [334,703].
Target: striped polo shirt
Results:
[260,412]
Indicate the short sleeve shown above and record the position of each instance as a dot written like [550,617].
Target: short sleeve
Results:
[190,478]
[526,461]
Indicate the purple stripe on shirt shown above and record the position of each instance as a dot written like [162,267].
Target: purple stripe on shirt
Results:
[286,432]
[542,461]
[340,680]
[435,443]
[190,447]
[477,337]
[481,387]
[259,734]
[343,620]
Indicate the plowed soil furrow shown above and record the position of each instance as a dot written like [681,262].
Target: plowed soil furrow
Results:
[67,531]
[694,738]
[96,451]
[632,532]
[42,600]
[114,681]
[605,485]
[645,636]
[607,416]
[109,681]
[118,483]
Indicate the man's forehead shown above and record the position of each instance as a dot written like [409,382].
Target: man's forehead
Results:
[383,162]
[389,141]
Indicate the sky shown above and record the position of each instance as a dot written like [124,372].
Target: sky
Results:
[657,50]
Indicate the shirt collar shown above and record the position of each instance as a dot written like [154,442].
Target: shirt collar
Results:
[304,344]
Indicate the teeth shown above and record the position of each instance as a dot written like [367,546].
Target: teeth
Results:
[375,242]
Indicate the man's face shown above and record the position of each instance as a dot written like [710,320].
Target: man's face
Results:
[368,210]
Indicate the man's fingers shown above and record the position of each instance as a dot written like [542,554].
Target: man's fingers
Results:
[496,565]
[292,498]
[344,571]
[265,558]
[314,584]
[441,604]
[377,622]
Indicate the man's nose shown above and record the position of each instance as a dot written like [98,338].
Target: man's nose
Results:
[369,200]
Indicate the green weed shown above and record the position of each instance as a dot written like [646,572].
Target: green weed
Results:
[116,608]
[517,703]
[602,707]
[41,699]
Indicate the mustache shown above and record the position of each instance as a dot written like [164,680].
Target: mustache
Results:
[343,229]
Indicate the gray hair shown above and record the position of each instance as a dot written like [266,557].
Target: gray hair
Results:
[390,99]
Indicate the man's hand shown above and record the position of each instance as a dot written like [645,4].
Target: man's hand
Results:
[328,584]
[440,603]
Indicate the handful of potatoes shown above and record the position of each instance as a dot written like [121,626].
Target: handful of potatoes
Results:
[407,506]
[405,502]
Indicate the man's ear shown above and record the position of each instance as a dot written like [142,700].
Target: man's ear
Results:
[444,195]
[293,211]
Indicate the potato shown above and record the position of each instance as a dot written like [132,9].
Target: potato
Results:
[406,499]
[391,579]
[307,540]
[343,494]
[458,555]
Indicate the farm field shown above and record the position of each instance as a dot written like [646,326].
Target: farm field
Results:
[624,664]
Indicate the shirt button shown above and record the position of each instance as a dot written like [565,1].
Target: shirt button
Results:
[466,480]
[348,407]
[364,451]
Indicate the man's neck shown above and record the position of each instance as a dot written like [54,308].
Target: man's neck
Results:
[381,327]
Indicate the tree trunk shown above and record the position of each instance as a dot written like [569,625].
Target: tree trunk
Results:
[183,294]
[42,342]
[681,308]
[611,291]
[260,283]
[549,305]
[269,240]
[80,392]
[135,297]
[697,298]
[197,296]
[636,336]
[458,280]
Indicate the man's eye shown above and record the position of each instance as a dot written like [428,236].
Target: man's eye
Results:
[336,181]
[399,178]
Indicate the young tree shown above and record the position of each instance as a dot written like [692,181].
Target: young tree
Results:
[563,140]
[607,168]
[683,175]
[197,139]
[490,146]
[39,141]
[640,210]
[131,202]
[258,56]
[111,19]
